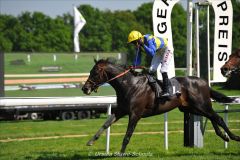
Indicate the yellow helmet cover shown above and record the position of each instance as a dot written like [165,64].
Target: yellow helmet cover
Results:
[133,36]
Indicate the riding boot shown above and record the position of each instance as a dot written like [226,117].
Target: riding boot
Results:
[157,89]
[166,85]
[155,86]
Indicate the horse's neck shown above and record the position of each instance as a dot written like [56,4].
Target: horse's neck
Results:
[122,83]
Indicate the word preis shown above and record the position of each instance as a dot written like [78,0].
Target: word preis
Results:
[223,25]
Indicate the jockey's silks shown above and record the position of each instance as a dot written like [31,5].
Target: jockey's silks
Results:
[152,45]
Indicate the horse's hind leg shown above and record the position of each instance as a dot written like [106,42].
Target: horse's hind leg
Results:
[205,109]
[219,132]
[216,118]
[113,118]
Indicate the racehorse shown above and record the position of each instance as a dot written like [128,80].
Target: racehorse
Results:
[232,65]
[136,98]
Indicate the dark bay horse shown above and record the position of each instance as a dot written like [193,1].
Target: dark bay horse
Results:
[136,99]
[232,65]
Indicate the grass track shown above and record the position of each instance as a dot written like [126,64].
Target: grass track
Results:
[69,65]
[141,145]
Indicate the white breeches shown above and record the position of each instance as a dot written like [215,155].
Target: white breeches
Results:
[163,57]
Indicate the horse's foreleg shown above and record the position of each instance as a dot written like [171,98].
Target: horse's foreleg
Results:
[131,126]
[108,123]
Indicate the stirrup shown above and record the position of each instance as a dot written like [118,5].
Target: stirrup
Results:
[166,94]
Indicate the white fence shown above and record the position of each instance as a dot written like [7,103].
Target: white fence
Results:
[11,101]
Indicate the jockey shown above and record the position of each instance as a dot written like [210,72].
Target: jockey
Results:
[158,49]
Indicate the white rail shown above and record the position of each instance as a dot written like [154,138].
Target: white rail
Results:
[57,100]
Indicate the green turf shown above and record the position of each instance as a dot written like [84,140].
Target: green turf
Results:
[140,146]
[83,64]
[67,92]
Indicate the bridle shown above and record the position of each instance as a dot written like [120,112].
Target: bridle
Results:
[230,63]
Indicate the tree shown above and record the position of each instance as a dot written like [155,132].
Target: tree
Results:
[143,16]
[236,25]
[8,32]
[179,32]
[95,35]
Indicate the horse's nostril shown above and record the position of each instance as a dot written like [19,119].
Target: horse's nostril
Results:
[84,89]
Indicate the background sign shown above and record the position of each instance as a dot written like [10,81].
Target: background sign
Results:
[222,36]
[161,14]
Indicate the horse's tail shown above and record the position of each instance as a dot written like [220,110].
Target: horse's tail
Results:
[219,97]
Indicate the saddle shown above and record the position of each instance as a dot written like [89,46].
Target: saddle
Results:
[174,86]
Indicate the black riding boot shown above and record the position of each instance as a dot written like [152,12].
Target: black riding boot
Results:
[157,89]
[166,84]
[155,86]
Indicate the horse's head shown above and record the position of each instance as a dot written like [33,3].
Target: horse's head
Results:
[97,77]
[233,64]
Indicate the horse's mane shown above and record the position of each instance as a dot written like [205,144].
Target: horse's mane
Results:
[103,61]
[110,61]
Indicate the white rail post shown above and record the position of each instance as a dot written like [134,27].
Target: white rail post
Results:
[197,40]
[54,57]
[76,56]
[189,37]
[226,121]
[108,129]
[29,58]
[166,131]
[208,46]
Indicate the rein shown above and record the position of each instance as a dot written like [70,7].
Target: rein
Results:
[123,73]
[117,76]
[109,80]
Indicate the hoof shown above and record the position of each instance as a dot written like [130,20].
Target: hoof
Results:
[90,143]
[236,138]
[226,139]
